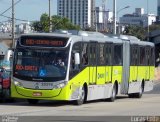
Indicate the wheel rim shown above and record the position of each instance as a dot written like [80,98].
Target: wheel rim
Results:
[141,90]
[113,92]
[82,94]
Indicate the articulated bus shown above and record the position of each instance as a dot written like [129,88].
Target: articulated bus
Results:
[83,67]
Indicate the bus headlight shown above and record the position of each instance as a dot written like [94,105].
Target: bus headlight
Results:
[18,83]
[61,85]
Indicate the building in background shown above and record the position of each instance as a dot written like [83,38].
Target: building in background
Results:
[158,8]
[99,16]
[80,12]
[158,12]
[109,21]
[23,28]
[6,27]
[138,18]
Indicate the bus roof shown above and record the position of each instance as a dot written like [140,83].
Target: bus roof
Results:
[90,36]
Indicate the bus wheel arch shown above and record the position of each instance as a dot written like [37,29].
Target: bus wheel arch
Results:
[116,84]
[86,91]
[140,93]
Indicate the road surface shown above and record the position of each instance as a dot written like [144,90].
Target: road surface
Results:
[148,105]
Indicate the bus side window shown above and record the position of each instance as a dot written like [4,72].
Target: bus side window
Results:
[76,49]
[108,53]
[118,55]
[101,54]
[84,59]
[148,56]
[152,59]
[84,54]
[142,56]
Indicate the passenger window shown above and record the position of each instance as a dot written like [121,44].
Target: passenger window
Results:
[84,54]
[101,55]
[117,55]
[152,59]
[142,56]
[108,54]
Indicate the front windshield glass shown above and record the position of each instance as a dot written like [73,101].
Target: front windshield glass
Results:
[44,64]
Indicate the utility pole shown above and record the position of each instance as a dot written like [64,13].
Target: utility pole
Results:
[104,13]
[50,25]
[148,20]
[114,17]
[13,24]
[96,22]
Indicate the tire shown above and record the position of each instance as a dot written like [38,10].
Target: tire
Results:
[131,95]
[32,101]
[6,95]
[81,100]
[113,95]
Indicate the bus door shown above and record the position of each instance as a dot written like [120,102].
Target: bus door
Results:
[134,63]
[152,63]
[93,62]
[108,62]
[101,73]
[147,70]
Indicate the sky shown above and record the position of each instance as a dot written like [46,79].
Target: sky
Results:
[31,10]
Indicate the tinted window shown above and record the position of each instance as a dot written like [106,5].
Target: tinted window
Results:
[142,56]
[101,55]
[117,55]
[108,54]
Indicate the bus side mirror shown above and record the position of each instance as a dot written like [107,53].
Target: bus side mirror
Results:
[77,58]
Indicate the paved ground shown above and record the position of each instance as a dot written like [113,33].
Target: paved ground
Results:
[98,111]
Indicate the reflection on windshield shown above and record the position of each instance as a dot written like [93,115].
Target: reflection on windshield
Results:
[41,63]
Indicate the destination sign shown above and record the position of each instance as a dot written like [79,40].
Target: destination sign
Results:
[44,41]
[26,68]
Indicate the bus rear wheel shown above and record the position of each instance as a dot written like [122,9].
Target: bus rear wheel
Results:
[32,101]
[82,97]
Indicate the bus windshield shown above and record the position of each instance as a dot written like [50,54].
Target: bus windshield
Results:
[44,64]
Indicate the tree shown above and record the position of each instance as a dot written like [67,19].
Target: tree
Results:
[154,27]
[139,31]
[136,31]
[44,21]
[37,26]
[63,23]
[56,21]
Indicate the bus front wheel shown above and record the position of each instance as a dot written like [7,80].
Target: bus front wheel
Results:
[82,96]
[32,101]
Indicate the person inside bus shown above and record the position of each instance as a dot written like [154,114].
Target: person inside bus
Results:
[85,59]
[60,62]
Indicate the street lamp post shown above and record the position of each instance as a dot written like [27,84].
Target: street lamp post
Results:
[50,25]
[114,17]
[121,10]
[118,16]
[148,20]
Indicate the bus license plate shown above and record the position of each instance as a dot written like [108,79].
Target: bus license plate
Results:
[37,94]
